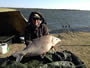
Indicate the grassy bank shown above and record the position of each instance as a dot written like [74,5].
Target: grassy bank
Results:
[74,38]
[77,42]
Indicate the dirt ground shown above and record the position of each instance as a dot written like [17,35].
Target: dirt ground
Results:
[77,43]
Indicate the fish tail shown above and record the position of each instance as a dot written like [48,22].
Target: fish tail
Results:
[18,56]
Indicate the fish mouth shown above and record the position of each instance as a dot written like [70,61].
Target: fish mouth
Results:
[58,42]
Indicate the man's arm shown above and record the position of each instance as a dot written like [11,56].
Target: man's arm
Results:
[27,36]
[45,30]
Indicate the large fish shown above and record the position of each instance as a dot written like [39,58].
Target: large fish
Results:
[38,46]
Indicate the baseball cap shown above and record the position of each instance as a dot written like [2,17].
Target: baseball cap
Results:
[36,16]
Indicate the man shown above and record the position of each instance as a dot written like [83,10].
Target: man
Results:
[36,27]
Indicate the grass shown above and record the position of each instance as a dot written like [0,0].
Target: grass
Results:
[76,42]
[75,38]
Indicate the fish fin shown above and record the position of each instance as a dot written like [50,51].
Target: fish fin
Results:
[53,48]
[42,55]
[19,57]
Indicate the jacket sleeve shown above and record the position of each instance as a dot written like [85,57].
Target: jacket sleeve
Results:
[45,30]
[27,36]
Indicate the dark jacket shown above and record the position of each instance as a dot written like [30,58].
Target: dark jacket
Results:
[31,32]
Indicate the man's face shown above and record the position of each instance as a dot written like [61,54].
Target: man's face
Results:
[36,22]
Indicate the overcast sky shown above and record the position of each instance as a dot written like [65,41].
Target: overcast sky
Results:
[49,4]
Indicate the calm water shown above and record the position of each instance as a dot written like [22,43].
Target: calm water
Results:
[59,20]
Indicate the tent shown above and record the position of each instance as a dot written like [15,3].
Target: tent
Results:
[11,22]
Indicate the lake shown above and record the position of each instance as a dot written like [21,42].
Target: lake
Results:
[59,20]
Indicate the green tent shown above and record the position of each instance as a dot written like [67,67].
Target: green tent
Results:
[11,23]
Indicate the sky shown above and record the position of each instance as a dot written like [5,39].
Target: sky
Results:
[47,4]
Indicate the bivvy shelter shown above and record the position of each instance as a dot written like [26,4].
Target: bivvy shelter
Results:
[12,23]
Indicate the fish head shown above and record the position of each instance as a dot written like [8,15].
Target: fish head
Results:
[55,41]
